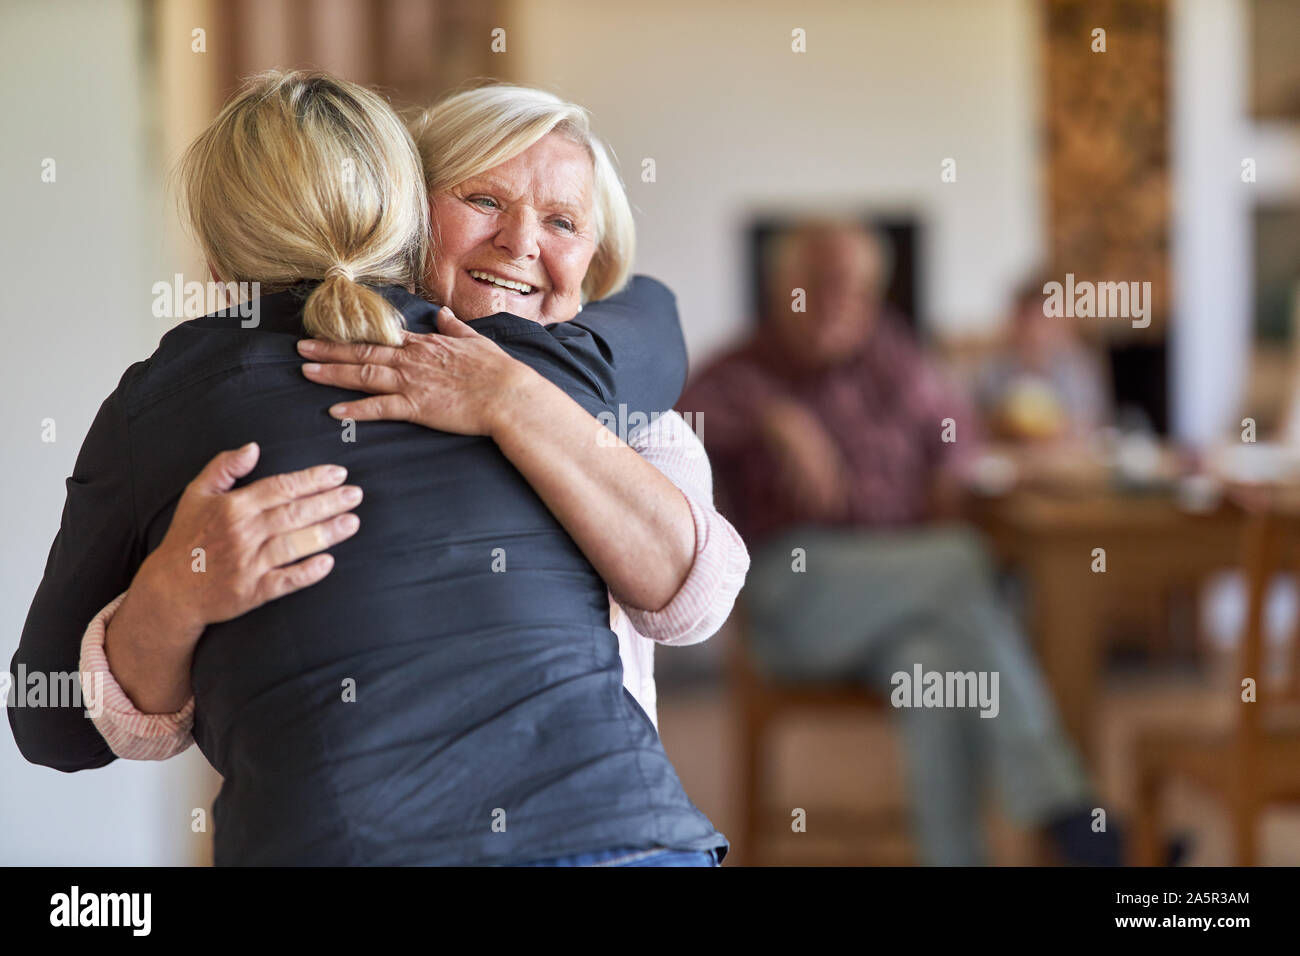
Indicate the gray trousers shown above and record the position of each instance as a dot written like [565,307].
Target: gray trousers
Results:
[871,604]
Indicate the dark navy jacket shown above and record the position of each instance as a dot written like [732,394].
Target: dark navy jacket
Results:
[490,723]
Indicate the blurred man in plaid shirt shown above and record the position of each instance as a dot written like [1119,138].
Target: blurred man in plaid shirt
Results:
[840,450]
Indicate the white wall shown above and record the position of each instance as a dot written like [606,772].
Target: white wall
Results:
[1212,230]
[1210,241]
[79,256]
[737,123]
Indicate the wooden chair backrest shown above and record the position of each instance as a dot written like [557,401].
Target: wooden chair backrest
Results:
[1271,545]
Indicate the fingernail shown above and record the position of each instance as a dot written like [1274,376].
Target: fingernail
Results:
[336,473]
[351,494]
[349,522]
[339,411]
[311,367]
[306,346]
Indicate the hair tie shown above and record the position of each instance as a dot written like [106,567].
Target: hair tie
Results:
[340,270]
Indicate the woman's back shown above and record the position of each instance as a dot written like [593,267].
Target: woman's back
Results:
[452,692]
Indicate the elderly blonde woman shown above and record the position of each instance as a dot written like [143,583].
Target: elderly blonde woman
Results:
[500,162]
[496,729]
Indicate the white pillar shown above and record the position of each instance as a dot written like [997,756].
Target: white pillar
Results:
[1210,336]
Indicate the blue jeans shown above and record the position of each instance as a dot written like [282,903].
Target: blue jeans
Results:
[659,856]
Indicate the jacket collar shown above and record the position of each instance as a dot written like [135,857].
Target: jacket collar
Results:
[282,312]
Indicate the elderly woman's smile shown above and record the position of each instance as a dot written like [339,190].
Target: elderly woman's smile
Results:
[518,237]
[513,285]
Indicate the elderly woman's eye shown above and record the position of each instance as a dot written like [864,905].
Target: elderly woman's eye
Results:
[485,201]
[565,224]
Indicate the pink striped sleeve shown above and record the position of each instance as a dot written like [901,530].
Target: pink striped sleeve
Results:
[130,733]
[702,604]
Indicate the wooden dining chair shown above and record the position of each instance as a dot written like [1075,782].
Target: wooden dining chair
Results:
[759,705]
[1252,760]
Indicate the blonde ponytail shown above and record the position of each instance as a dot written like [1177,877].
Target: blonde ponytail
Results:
[305,176]
[341,309]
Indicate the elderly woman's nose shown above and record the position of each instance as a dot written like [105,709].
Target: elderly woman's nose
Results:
[520,235]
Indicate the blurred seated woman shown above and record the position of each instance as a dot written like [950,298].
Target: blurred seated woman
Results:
[1046,386]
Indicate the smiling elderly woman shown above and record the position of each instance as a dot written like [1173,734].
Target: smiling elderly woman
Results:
[518,183]
[528,218]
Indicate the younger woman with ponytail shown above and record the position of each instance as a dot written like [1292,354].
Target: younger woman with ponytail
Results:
[303,176]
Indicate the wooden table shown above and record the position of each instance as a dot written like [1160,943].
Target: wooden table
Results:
[1148,540]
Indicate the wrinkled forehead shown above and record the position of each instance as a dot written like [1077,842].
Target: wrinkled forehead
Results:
[554,171]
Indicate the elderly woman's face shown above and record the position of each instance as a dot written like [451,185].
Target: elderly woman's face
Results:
[517,238]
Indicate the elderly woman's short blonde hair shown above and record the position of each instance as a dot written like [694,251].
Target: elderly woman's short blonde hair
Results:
[469,132]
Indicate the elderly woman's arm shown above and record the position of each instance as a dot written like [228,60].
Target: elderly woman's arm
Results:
[721,560]
[629,520]
[139,648]
[251,538]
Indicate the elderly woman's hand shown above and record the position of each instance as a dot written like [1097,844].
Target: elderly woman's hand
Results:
[456,382]
[464,383]
[251,541]
[226,552]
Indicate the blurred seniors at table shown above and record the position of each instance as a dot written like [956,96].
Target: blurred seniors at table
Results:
[1045,384]
[832,434]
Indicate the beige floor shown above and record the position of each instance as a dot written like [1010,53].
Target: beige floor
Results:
[854,763]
